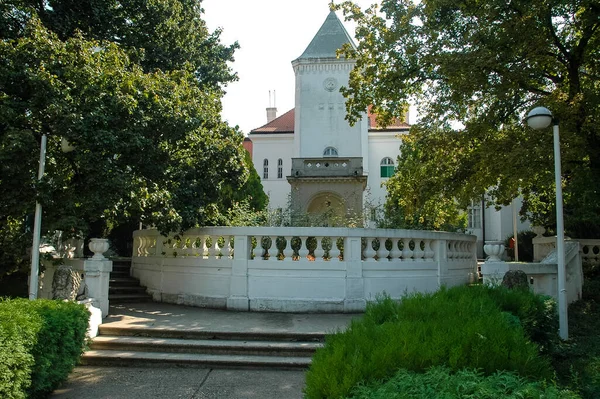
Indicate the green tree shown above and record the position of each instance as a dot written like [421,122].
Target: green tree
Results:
[149,141]
[485,64]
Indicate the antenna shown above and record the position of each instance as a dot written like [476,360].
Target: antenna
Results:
[269,98]
[274,99]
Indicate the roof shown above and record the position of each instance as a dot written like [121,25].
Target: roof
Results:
[282,124]
[395,125]
[331,37]
[285,124]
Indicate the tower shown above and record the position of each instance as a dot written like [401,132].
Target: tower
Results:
[330,161]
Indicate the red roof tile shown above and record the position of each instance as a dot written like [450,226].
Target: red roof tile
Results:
[285,124]
[395,125]
[281,124]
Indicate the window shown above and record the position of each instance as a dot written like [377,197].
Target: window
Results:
[474,211]
[280,168]
[330,152]
[387,167]
[266,169]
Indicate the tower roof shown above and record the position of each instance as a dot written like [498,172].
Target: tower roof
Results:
[331,37]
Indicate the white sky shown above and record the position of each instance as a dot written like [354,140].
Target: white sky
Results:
[271,33]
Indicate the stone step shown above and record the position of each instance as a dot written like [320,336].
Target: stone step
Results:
[123,282]
[119,274]
[123,298]
[131,289]
[206,346]
[108,330]
[163,359]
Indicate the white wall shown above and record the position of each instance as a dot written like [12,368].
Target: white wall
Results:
[381,145]
[274,147]
[320,113]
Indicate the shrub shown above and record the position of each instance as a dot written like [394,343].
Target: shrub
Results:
[18,334]
[40,343]
[441,383]
[462,327]
[536,313]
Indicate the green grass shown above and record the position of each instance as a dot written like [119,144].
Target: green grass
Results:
[441,383]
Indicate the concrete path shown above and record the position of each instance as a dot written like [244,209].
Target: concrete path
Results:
[189,383]
[196,383]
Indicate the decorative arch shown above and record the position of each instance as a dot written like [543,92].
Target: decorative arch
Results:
[329,205]
[330,152]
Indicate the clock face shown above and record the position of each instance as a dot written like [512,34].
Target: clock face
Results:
[330,84]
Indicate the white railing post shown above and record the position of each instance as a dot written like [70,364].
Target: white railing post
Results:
[97,275]
[440,255]
[238,292]
[354,300]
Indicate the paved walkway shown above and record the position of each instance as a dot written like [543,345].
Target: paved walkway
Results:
[195,383]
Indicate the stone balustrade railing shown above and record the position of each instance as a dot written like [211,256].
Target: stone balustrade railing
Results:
[298,269]
[542,246]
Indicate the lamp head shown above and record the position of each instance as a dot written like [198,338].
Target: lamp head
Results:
[539,118]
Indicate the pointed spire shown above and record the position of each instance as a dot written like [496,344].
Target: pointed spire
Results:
[331,37]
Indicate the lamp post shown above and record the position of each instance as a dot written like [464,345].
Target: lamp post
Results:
[37,221]
[540,118]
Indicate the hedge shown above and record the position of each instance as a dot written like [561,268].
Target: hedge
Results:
[478,327]
[40,343]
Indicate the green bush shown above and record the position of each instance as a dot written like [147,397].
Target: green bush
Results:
[536,313]
[462,327]
[40,343]
[441,383]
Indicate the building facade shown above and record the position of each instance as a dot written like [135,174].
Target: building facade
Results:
[312,160]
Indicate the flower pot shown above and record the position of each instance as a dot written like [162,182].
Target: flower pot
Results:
[98,246]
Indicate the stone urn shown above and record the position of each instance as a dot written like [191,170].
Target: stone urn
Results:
[98,246]
[494,249]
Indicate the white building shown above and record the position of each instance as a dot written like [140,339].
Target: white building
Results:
[311,154]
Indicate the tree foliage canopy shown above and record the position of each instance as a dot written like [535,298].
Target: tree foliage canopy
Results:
[135,86]
[485,64]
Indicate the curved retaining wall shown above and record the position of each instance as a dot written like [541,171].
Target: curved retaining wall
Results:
[306,269]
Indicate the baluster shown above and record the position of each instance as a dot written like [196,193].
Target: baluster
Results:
[382,252]
[451,249]
[204,242]
[319,251]
[228,249]
[142,246]
[407,253]
[288,251]
[195,246]
[186,246]
[429,253]
[271,248]
[395,252]
[334,252]
[418,253]
[303,251]
[369,253]
[211,247]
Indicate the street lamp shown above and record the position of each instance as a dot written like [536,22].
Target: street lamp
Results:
[37,221]
[540,118]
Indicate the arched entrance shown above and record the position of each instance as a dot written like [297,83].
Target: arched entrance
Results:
[329,207]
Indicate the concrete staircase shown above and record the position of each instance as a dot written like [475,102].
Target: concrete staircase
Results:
[126,346]
[122,287]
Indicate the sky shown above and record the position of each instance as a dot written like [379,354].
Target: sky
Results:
[271,34]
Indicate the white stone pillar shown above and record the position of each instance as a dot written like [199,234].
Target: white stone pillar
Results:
[354,300]
[97,274]
[238,291]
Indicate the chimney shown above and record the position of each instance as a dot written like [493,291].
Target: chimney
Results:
[272,109]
